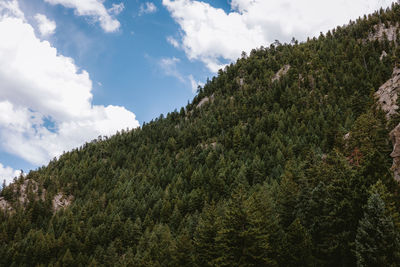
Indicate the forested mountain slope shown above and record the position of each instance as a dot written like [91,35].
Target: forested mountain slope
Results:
[283,159]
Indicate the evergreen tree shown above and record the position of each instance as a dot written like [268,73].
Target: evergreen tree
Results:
[67,259]
[242,239]
[297,250]
[262,175]
[377,241]
[204,236]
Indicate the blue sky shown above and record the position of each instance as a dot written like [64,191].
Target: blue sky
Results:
[71,70]
[125,62]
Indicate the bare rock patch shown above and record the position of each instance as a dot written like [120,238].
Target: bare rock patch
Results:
[381,31]
[387,94]
[284,70]
[61,201]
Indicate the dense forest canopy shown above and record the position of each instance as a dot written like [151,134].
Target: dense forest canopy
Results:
[283,159]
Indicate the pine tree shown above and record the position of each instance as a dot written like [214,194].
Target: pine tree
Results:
[243,237]
[297,250]
[182,253]
[377,242]
[204,236]
[67,259]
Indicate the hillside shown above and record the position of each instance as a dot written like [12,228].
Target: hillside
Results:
[289,157]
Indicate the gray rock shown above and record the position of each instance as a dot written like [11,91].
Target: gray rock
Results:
[61,201]
[387,94]
[205,100]
[395,136]
[381,30]
[281,72]
[384,54]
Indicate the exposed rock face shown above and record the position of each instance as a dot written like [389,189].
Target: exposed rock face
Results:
[281,72]
[4,205]
[24,189]
[387,97]
[388,93]
[205,100]
[240,81]
[212,145]
[21,192]
[381,30]
[395,136]
[384,54]
[61,201]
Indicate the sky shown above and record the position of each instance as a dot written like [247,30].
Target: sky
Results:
[72,70]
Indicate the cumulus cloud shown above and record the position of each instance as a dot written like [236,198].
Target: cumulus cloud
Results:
[210,34]
[46,27]
[116,9]
[7,174]
[173,41]
[11,7]
[169,66]
[45,99]
[147,8]
[94,9]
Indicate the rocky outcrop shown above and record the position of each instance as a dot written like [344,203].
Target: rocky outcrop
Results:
[4,205]
[240,81]
[25,187]
[383,55]
[61,201]
[22,189]
[388,93]
[205,100]
[380,31]
[395,136]
[212,145]
[387,98]
[281,72]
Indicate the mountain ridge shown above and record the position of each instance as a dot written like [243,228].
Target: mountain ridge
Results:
[255,171]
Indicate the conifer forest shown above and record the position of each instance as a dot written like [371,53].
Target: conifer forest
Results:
[288,157]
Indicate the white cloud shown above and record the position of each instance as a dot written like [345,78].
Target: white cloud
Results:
[7,174]
[116,9]
[170,68]
[194,84]
[147,8]
[40,88]
[11,8]
[46,27]
[94,9]
[211,34]
[168,65]
[173,41]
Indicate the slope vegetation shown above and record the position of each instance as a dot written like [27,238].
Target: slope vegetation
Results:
[283,159]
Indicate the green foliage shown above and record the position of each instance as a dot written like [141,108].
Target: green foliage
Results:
[259,176]
[377,242]
[204,236]
[243,238]
[298,246]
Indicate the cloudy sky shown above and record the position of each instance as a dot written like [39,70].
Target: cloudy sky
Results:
[71,70]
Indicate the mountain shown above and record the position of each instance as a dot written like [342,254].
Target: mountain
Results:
[289,157]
